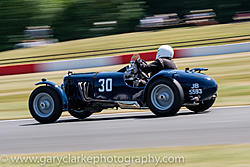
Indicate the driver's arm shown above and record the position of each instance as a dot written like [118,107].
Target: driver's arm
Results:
[147,68]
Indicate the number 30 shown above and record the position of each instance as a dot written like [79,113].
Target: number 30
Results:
[105,85]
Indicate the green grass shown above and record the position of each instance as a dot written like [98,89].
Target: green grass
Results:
[196,156]
[133,39]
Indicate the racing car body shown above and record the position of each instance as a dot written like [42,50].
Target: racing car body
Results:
[85,93]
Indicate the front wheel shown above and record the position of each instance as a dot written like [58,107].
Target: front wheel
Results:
[165,97]
[45,104]
[202,106]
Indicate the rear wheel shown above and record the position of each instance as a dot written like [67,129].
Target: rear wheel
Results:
[45,105]
[81,114]
[164,97]
[202,106]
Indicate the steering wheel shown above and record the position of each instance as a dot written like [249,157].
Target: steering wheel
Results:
[139,71]
[134,64]
[136,68]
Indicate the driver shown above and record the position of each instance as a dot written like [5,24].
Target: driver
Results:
[163,61]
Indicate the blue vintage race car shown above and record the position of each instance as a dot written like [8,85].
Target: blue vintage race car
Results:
[83,94]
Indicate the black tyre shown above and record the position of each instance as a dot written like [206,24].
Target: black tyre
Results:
[45,104]
[165,97]
[81,114]
[203,106]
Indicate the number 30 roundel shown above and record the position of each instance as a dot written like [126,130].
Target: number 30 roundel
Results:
[106,85]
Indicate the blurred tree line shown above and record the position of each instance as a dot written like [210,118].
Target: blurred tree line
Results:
[73,19]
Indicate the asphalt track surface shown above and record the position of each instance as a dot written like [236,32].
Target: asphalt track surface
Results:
[227,125]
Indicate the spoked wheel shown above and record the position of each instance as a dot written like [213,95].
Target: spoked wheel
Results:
[45,105]
[165,97]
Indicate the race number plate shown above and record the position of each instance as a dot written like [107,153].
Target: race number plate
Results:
[195,89]
[106,85]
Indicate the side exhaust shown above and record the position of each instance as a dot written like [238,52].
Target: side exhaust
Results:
[83,88]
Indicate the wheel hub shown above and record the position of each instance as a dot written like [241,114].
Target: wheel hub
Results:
[45,104]
[162,97]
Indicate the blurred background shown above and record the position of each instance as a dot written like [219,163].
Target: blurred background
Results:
[41,31]
[29,23]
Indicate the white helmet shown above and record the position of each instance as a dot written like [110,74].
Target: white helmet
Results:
[165,51]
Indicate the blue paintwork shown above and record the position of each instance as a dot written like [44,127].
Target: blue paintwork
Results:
[121,91]
[187,78]
[59,90]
